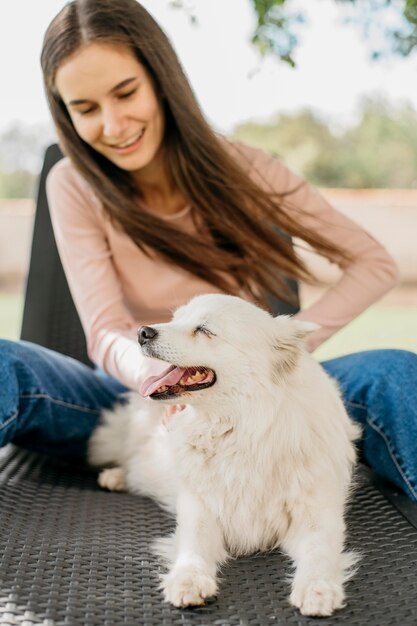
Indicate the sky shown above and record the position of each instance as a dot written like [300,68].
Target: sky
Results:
[232,83]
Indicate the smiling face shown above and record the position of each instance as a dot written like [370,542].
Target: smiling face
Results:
[112,103]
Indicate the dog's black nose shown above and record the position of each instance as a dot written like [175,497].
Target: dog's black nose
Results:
[145,334]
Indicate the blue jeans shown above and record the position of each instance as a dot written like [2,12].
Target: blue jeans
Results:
[51,403]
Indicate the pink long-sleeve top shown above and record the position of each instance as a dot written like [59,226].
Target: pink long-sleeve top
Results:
[116,287]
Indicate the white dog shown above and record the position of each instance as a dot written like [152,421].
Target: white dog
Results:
[261,456]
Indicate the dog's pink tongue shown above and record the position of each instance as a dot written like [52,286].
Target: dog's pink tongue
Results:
[161,373]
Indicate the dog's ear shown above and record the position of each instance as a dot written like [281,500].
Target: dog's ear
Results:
[293,330]
[287,345]
[303,327]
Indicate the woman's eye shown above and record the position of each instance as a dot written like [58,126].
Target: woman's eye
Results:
[126,95]
[86,111]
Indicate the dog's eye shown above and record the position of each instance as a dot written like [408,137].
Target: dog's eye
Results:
[202,329]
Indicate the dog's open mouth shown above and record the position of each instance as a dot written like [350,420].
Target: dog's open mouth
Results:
[175,381]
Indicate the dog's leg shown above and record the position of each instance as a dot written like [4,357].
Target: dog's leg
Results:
[198,550]
[315,543]
[113,479]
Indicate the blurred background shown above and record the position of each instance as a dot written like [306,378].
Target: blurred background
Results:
[326,85]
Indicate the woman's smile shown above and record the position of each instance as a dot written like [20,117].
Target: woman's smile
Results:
[130,145]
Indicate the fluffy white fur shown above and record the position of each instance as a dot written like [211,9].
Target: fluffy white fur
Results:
[261,459]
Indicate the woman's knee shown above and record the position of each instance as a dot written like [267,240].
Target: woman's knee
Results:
[11,352]
[374,363]
[7,347]
[22,364]
[394,356]
[392,366]
[12,362]
[15,350]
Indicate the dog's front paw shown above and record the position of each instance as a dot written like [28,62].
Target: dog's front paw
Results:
[188,587]
[317,597]
[113,478]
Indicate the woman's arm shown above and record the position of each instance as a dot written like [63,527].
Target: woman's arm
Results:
[372,271]
[79,227]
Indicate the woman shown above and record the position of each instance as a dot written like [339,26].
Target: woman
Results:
[151,208]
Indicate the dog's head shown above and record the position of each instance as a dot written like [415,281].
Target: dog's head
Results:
[218,343]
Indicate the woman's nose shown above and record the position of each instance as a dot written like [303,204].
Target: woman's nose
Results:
[113,123]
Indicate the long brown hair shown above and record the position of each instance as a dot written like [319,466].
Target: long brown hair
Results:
[250,228]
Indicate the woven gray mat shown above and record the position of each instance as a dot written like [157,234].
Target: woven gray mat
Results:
[74,555]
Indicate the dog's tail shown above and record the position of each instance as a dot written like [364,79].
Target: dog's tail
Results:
[109,439]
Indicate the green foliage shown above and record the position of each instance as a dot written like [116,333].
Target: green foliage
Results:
[406,42]
[278,26]
[393,21]
[380,151]
[22,148]
[18,184]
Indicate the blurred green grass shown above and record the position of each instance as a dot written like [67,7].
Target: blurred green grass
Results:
[380,326]
[11,310]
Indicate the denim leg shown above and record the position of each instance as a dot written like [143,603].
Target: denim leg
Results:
[49,402]
[380,392]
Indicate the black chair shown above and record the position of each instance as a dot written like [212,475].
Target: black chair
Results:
[49,315]
[74,555]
